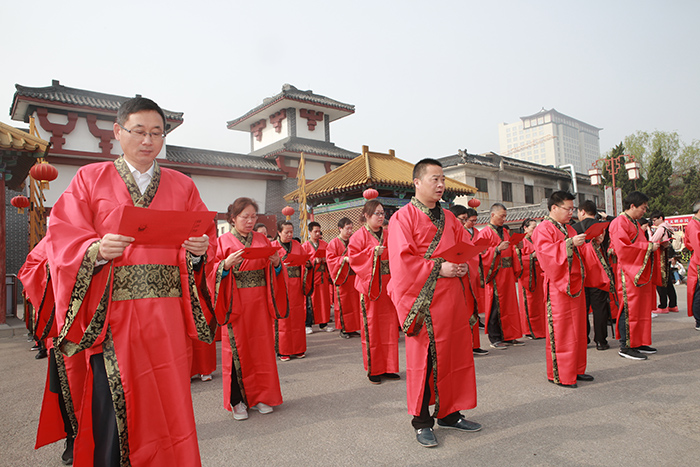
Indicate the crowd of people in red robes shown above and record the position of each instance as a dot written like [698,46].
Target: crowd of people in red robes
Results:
[427,272]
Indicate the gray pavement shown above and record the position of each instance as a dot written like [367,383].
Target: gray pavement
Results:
[634,413]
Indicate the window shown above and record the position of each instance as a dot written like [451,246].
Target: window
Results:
[548,192]
[507,191]
[529,194]
[481,184]
[581,198]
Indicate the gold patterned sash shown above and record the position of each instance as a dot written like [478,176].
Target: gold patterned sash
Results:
[247,279]
[507,262]
[384,267]
[136,281]
[294,271]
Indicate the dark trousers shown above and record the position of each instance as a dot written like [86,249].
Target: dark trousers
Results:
[599,302]
[425,420]
[104,421]
[696,305]
[236,395]
[667,294]
[55,387]
[494,325]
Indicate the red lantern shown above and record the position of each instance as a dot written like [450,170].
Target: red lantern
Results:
[474,203]
[288,211]
[44,173]
[20,202]
[370,194]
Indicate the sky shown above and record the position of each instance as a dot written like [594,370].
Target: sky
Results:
[426,78]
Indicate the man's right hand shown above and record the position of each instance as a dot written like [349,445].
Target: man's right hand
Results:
[113,246]
[502,246]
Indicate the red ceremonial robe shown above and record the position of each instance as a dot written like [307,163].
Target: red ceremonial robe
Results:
[38,288]
[532,298]
[139,311]
[347,300]
[320,296]
[692,242]
[500,271]
[380,328]
[248,300]
[434,312]
[635,269]
[290,333]
[475,274]
[564,273]
[203,358]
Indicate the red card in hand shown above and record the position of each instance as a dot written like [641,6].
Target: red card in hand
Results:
[296,260]
[320,253]
[259,252]
[516,238]
[461,252]
[162,228]
[596,229]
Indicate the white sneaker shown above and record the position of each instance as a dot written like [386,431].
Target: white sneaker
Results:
[240,411]
[262,408]
[205,377]
[329,329]
[654,315]
[309,330]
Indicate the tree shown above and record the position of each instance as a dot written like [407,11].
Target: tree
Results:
[657,186]
[691,192]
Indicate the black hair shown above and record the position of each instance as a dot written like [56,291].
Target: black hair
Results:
[313,224]
[138,104]
[559,197]
[458,210]
[420,168]
[636,198]
[343,222]
[588,207]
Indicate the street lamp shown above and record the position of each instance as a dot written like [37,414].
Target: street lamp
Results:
[613,195]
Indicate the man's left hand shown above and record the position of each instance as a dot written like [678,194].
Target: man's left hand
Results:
[197,245]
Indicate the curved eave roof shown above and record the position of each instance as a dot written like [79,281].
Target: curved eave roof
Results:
[12,139]
[219,159]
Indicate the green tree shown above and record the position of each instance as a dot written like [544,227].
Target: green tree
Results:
[657,186]
[621,178]
[691,191]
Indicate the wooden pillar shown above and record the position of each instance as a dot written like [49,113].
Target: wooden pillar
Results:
[3,252]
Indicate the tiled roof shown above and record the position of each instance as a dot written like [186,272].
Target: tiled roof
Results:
[371,169]
[494,160]
[516,215]
[18,153]
[292,93]
[219,159]
[78,97]
[307,146]
[12,139]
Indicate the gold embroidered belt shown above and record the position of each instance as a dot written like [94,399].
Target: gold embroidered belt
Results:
[294,271]
[384,267]
[247,279]
[507,262]
[137,281]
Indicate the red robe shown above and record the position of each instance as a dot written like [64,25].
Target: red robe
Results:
[380,328]
[320,297]
[36,280]
[500,271]
[566,303]
[635,270]
[249,299]
[434,312]
[290,333]
[692,242]
[347,300]
[140,311]
[532,298]
[475,275]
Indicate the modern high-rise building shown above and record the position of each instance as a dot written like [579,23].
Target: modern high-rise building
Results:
[551,138]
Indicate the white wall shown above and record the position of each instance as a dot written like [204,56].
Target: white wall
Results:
[269,135]
[319,132]
[217,193]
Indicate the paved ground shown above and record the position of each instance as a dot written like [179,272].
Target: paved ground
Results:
[634,413]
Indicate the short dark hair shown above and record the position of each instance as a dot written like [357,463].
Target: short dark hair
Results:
[657,215]
[281,224]
[498,207]
[527,222]
[258,225]
[369,208]
[237,207]
[471,212]
[643,220]
[138,104]
[636,198]
[313,224]
[588,207]
[559,197]
[343,222]
[421,166]
[458,210]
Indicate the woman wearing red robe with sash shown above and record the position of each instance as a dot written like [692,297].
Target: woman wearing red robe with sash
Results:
[380,329]
[347,299]
[251,294]
[557,246]
[692,242]
[318,270]
[532,295]
[290,333]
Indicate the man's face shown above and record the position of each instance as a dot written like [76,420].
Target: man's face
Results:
[140,151]
[498,218]
[470,222]
[431,186]
[287,233]
[346,232]
[315,234]
[562,213]
[637,212]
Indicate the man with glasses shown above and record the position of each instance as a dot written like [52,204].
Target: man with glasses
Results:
[347,300]
[131,308]
[321,294]
[634,274]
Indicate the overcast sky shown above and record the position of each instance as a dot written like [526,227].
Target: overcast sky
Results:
[427,78]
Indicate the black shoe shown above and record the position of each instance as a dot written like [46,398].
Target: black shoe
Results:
[573,386]
[514,342]
[481,325]
[461,425]
[602,346]
[41,354]
[374,379]
[67,457]
[632,354]
[584,377]
[354,333]
[36,347]
[391,376]
[480,352]
[426,437]
[344,335]
[645,349]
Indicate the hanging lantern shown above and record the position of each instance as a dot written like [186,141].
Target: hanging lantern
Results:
[632,170]
[20,202]
[474,203]
[596,176]
[370,194]
[287,212]
[44,173]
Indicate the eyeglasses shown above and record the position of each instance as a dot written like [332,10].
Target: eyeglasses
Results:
[139,133]
[565,209]
[378,213]
[248,218]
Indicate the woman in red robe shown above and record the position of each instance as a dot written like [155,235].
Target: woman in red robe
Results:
[531,281]
[692,242]
[346,299]
[290,333]
[251,294]
[370,261]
